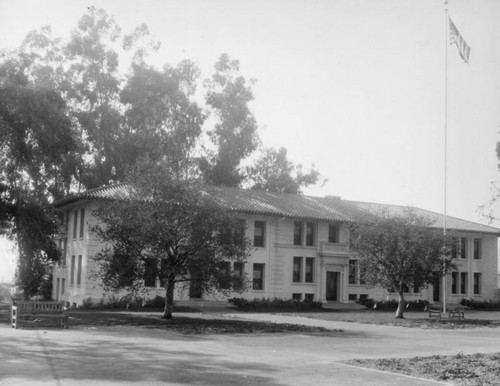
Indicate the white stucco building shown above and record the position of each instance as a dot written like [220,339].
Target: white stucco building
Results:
[301,250]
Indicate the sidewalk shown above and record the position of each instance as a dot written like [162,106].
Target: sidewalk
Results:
[134,355]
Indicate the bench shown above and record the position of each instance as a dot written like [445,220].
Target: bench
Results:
[34,309]
[456,312]
[435,310]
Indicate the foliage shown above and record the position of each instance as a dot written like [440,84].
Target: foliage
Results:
[273,172]
[393,304]
[266,304]
[480,305]
[399,251]
[171,229]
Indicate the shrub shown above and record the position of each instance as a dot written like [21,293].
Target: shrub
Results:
[156,302]
[393,304]
[275,304]
[480,305]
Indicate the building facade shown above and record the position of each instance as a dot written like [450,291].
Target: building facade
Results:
[301,250]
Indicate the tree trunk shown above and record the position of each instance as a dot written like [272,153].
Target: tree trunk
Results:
[401,304]
[169,299]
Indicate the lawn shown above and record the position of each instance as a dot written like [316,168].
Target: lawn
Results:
[476,369]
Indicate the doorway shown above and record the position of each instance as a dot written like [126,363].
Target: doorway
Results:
[332,286]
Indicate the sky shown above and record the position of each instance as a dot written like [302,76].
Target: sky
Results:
[355,87]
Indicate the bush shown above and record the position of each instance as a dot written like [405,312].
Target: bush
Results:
[393,304]
[275,304]
[156,302]
[480,305]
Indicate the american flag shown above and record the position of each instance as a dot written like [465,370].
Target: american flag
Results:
[457,39]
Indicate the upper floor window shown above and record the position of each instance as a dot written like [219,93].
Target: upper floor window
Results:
[333,233]
[463,248]
[477,249]
[259,233]
[297,232]
[75,223]
[310,233]
[82,222]
[454,249]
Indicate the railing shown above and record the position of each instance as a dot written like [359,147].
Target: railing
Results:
[327,248]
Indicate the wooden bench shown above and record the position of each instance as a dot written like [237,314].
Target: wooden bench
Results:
[456,312]
[34,309]
[435,310]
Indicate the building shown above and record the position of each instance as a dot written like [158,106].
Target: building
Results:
[301,249]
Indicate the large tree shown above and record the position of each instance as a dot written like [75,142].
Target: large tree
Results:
[273,172]
[398,251]
[171,229]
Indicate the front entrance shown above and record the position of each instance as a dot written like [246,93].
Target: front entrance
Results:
[332,286]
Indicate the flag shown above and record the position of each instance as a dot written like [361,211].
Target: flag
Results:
[458,40]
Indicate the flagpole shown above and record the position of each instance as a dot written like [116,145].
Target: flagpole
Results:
[445,137]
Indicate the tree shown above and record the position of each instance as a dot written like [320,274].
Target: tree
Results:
[273,172]
[235,132]
[169,228]
[398,251]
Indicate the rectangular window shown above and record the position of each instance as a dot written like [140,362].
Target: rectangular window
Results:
[454,247]
[72,271]
[63,284]
[297,269]
[225,272]
[477,283]
[75,223]
[308,298]
[82,222]
[333,233]
[454,282]
[297,232]
[463,282]
[65,251]
[353,297]
[150,273]
[297,297]
[258,276]
[79,271]
[477,249]
[309,269]
[238,270]
[463,249]
[259,233]
[310,228]
[353,271]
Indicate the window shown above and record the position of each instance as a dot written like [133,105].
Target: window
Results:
[238,270]
[309,269]
[297,269]
[310,227]
[454,250]
[225,269]
[65,251]
[79,271]
[333,233]
[454,282]
[150,273]
[308,298]
[258,276]
[353,271]
[463,249]
[463,282]
[75,223]
[72,273]
[477,249]
[63,284]
[353,297]
[477,283]
[297,232]
[82,222]
[406,289]
[259,233]
[297,297]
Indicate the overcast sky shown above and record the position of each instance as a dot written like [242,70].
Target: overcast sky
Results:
[355,87]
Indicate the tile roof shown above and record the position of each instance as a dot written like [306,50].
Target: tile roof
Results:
[290,205]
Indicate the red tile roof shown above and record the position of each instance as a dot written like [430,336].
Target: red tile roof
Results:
[290,205]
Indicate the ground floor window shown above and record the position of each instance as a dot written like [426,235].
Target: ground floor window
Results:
[454,282]
[463,282]
[300,275]
[308,297]
[477,283]
[258,276]
[297,297]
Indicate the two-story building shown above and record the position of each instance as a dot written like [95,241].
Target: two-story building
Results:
[301,249]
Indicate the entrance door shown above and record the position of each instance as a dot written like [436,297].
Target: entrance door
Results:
[332,284]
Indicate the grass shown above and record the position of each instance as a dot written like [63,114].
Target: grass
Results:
[204,324]
[476,369]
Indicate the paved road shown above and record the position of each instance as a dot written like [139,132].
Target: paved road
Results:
[133,355]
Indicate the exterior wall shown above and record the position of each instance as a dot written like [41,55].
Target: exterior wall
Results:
[331,262]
